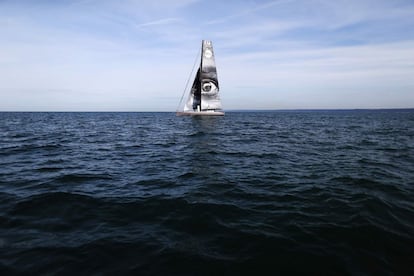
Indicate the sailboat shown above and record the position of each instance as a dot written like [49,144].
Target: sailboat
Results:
[204,97]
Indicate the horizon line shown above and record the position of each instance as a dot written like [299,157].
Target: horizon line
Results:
[229,110]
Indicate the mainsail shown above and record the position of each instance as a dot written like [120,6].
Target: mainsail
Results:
[204,95]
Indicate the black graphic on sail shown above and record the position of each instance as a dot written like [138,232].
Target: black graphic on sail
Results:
[204,95]
[196,91]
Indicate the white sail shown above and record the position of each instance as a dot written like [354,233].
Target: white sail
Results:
[210,98]
[204,98]
[194,97]
[188,106]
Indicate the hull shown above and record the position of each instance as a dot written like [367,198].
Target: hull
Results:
[200,113]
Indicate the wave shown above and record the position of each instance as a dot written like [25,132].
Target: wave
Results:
[286,192]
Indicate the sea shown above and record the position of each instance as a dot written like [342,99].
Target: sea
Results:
[303,192]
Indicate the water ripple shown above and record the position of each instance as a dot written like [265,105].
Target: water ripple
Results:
[316,192]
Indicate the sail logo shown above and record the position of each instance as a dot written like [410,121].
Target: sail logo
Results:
[208,53]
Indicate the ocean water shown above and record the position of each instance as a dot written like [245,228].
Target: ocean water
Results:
[254,193]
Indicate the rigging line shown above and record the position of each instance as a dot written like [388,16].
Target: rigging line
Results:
[188,80]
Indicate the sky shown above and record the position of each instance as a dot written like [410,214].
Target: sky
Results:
[135,55]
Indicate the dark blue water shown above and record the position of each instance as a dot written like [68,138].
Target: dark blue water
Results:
[310,193]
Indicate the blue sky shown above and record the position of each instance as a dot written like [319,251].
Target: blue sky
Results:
[103,55]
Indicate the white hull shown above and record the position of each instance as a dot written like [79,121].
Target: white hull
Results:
[200,113]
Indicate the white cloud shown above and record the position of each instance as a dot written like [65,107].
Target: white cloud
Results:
[359,76]
[163,21]
[247,12]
